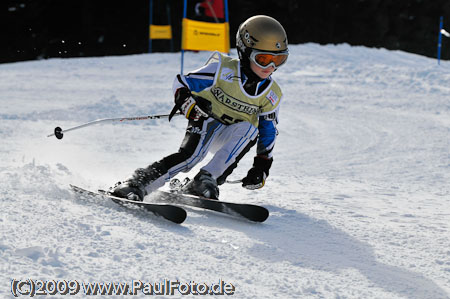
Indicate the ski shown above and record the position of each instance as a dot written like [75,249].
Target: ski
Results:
[169,212]
[248,211]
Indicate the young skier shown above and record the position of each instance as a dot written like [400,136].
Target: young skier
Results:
[231,105]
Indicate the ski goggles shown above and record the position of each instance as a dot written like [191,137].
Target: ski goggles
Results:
[267,59]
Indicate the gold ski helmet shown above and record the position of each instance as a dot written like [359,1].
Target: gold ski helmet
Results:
[259,37]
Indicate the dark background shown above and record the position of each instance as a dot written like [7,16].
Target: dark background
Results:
[73,28]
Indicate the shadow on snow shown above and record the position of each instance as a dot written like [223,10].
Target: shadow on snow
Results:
[310,243]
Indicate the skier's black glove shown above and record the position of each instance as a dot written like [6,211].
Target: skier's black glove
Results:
[193,107]
[256,176]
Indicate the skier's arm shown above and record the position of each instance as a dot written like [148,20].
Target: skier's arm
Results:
[267,134]
[257,175]
[193,107]
[196,80]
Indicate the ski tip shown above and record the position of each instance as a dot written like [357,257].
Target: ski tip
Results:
[261,216]
[174,213]
[265,217]
[179,216]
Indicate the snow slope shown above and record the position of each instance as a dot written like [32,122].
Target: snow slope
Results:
[359,192]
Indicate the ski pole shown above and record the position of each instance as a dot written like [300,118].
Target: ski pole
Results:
[59,133]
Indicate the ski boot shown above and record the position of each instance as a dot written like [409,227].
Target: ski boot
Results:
[204,185]
[129,190]
[133,188]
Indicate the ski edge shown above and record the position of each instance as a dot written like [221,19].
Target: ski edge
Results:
[169,212]
[259,214]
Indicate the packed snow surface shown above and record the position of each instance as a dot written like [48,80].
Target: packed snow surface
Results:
[359,192]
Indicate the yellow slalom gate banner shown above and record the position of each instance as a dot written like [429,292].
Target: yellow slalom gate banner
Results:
[205,36]
[160,32]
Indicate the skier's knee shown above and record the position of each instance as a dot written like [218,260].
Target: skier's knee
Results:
[247,130]
[186,153]
[187,157]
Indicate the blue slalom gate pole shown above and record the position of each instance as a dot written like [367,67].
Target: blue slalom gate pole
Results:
[441,26]
[170,23]
[150,21]
[226,10]
[182,50]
